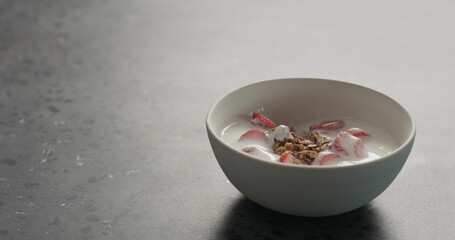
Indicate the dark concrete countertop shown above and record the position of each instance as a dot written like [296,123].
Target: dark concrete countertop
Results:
[103,104]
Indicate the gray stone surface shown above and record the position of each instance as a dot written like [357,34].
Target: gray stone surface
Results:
[103,103]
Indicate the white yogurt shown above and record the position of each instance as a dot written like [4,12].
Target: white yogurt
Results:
[378,144]
[280,133]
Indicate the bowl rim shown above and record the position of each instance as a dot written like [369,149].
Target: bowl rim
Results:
[210,129]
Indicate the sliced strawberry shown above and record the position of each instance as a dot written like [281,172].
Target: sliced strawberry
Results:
[357,132]
[255,133]
[286,158]
[337,144]
[324,157]
[359,149]
[346,145]
[328,125]
[262,121]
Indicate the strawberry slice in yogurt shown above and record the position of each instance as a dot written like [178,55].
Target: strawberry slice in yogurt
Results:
[324,157]
[254,134]
[347,145]
[328,125]
[357,132]
[262,121]
[286,158]
[259,143]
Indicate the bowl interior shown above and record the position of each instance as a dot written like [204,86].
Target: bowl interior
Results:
[293,101]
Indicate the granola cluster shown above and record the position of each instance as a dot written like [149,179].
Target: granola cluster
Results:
[304,149]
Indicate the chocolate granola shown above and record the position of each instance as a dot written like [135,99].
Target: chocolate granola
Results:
[304,149]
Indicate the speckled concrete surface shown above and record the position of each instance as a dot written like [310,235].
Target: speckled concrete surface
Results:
[103,103]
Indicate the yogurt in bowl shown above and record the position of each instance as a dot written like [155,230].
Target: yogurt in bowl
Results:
[334,187]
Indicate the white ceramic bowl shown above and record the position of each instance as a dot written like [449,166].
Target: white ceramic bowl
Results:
[301,189]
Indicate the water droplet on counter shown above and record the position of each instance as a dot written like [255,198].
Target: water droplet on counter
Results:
[49,152]
[57,123]
[107,224]
[131,172]
[80,161]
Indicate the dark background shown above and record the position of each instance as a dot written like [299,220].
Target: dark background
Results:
[103,103]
